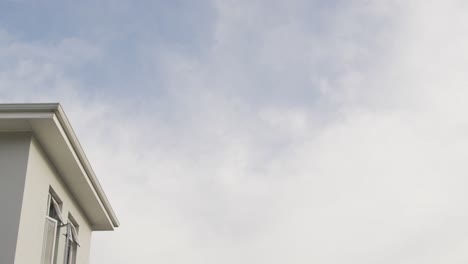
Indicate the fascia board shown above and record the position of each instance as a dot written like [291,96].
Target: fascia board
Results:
[68,130]
[29,108]
[25,115]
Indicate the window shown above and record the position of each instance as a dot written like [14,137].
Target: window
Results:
[72,243]
[52,221]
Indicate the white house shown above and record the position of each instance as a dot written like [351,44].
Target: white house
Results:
[50,198]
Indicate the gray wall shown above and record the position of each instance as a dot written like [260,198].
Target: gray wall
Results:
[14,150]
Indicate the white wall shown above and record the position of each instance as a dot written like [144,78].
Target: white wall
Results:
[14,148]
[40,176]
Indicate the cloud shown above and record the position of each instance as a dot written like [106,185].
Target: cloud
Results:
[305,132]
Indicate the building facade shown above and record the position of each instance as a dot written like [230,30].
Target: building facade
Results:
[50,198]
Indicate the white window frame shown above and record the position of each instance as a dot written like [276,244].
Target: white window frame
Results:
[72,242]
[51,201]
[54,241]
[57,208]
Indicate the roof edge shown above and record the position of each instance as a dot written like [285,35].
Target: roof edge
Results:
[57,109]
[25,107]
[61,116]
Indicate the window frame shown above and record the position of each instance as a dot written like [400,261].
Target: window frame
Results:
[51,203]
[72,243]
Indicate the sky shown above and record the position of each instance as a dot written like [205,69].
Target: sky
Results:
[255,131]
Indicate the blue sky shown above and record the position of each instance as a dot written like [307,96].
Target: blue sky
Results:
[125,33]
[259,131]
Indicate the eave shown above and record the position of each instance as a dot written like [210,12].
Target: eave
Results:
[50,126]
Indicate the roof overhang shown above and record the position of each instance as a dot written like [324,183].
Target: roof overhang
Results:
[50,126]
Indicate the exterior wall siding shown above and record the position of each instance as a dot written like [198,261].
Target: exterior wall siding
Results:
[14,149]
[40,177]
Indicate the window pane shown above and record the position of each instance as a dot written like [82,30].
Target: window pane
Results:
[70,252]
[49,241]
[55,211]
